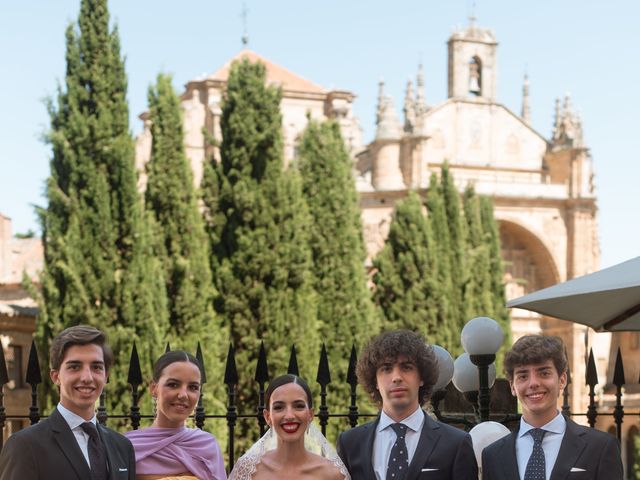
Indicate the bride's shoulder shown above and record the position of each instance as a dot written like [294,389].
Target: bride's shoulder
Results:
[326,469]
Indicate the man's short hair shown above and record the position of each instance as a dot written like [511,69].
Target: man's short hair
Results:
[389,346]
[78,335]
[534,350]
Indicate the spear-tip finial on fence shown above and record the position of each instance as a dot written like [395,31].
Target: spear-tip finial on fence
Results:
[262,369]
[352,378]
[34,378]
[292,369]
[4,374]
[230,370]
[200,358]
[618,371]
[324,375]
[134,377]
[167,349]
[592,373]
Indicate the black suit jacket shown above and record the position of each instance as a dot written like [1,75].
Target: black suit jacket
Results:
[592,454]
[445,451]
[49,450]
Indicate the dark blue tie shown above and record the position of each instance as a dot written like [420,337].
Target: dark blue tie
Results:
[535,466]
[399,457]
[97,454]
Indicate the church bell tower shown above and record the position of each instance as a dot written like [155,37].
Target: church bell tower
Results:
[472,63]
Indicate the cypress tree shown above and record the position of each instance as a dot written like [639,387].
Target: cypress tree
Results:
[484,291]
[405,274]
[345,310]
[258,225]
[171,197]
[99,267]
[499,310]
[448,317]
[184,250]
[456,249]
[478,296]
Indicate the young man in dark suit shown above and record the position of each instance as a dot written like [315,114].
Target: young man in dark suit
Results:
[547,446]
[398,369]
[70,444]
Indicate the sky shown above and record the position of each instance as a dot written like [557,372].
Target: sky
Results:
[585,47]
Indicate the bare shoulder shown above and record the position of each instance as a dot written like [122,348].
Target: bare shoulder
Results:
[323,468]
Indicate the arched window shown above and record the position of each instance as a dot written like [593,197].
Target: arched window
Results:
[475,76]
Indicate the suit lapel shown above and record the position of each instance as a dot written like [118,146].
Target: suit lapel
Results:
[109,448]
[570,449]
[507,455]
[428,440]
[67,442]
[367,449]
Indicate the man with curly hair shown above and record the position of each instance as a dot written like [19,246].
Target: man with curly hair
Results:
[546,445]
[398,370]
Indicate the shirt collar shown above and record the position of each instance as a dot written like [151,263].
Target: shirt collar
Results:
[413,421]
[72,419]
[557,425]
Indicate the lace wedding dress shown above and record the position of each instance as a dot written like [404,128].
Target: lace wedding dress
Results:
[314,442]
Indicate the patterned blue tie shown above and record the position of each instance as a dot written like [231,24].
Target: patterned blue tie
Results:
[399,457]
[535,466]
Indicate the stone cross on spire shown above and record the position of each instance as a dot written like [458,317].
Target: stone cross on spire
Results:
[409,109]
[245,35]
[526,109]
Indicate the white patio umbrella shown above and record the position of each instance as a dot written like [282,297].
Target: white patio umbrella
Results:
[607,300]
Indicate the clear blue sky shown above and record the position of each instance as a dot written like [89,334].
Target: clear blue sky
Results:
[583,46]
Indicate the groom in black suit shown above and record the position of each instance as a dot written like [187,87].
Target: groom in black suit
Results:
[398,369]
[70,444]
[546,445]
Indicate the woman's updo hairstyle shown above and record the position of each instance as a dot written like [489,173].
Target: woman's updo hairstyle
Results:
[170,357]
[284,380]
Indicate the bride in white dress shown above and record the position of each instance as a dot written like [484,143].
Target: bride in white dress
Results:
[292,448]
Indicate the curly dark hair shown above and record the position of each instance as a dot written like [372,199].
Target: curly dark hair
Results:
[533,350]
[389,346]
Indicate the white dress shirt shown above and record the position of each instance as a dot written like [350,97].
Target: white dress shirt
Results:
[386,437]
[550,444]
[74,422]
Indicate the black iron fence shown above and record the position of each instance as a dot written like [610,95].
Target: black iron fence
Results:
[453,412]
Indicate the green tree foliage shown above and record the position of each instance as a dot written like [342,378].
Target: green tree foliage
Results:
[183,244]
[171,197]
[258,224]
[447,284]
[477,294]
[345,311]
[405,276]
[484,291]
[98,242]
[499,311]
[447,264]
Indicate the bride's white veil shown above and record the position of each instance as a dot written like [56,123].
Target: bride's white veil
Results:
[314,442]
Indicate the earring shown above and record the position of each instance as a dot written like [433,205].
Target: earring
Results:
[270,433]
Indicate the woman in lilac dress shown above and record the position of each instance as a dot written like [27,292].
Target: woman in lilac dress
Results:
[168,449]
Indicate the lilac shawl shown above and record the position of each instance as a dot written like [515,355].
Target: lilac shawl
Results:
[169,451]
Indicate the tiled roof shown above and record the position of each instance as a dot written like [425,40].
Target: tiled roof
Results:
[275,74]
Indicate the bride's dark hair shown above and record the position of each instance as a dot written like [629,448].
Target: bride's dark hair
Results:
[284,380]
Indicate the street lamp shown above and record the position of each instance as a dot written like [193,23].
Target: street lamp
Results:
[473,373]
[481,338]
